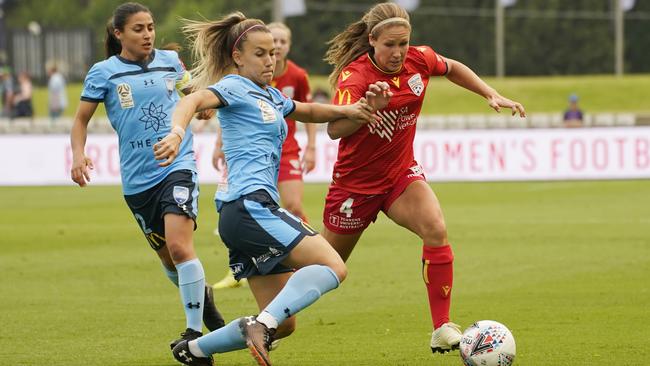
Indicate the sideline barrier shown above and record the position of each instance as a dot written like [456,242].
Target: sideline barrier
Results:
[448,155]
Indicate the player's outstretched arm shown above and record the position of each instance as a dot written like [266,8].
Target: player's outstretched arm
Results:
[168,147]
[80,162]
[462,75]
[378,96]
[360,112]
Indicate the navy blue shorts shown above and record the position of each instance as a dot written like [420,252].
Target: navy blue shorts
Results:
[259,234]
[178,194]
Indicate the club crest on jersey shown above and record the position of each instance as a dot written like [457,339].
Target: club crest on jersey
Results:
[289,91]
[268,113]
[416,84]
[170,84]
[125,95]
[181,194]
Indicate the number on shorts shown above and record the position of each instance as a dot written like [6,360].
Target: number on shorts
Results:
[346,207]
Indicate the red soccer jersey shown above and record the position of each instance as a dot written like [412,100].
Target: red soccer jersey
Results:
[294,84]
[372,159]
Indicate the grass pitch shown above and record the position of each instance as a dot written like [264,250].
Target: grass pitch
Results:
[564,265]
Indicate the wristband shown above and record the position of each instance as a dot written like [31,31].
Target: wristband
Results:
[179,131]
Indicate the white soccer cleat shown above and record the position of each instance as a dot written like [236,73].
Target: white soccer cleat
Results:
[446,338]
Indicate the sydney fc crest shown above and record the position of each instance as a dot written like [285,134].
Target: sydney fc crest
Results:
[181,194]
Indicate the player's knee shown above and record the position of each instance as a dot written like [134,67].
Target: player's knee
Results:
[434,234]
[340,269]
[179,251]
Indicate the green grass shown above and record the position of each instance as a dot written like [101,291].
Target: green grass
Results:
[565,265]
[538,94]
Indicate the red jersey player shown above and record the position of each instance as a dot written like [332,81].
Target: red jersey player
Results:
[291,80]
[375,170]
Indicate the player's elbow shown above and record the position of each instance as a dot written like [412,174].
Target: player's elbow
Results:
[332,131]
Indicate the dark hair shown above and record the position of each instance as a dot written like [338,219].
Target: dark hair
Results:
[119,19]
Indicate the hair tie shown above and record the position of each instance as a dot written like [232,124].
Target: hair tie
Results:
[242,34]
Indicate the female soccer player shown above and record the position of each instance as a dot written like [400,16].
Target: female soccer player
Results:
[375,170]
[265,241]
[292,81]
[137,83]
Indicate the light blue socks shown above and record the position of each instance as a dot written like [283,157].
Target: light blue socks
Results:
[191,282]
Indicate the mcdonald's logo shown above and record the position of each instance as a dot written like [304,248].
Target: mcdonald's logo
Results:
[343,96]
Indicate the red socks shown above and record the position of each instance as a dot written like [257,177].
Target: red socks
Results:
[438,275]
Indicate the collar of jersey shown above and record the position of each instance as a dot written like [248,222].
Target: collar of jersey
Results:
[381,70]
[139,63]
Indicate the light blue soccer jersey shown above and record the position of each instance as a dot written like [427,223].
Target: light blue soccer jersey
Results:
[253,130]
[140,99]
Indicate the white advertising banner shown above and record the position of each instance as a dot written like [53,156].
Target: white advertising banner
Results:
[445,155]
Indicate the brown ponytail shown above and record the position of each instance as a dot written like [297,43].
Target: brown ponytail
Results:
[353,42]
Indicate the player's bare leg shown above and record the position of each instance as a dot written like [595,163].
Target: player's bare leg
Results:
[264,289]
[291,192]
[343,243]
[418,210]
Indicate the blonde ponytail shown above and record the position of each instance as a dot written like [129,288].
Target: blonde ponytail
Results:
[212,45]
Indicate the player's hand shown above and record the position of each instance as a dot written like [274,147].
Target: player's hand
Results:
[378,95]
[497,102]
[219,160]
[309,159]
[361,112]
[80,170]
[206,114]
[167,149]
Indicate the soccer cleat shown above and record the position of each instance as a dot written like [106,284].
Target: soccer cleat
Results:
[183,355]
[274,345]
[188,335]
[211,316]
[258,339]
[446,338]
[229,281]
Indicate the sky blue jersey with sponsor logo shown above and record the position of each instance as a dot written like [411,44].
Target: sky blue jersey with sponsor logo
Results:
[140,98]
[253,130]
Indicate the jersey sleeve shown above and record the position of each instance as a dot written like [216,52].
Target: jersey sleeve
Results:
[183,76]
[227,92]
[351,87]
[94,88]
[436,64]
[288,105]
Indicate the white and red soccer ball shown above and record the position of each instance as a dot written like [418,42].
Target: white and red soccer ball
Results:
[487,343]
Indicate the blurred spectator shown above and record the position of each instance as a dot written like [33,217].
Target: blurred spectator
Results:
[23,98]
[321,95]
[6,93]
[573,115]
[57,98]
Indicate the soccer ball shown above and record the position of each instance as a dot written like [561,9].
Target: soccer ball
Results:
[487,343]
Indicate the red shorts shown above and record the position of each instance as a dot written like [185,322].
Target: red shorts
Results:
[349,213]
[290,167]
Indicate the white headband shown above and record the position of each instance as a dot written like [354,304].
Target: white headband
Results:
[389,20]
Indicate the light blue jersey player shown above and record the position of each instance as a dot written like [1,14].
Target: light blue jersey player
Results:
[140,98]
[265,242]
[138,85]
[253,130]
